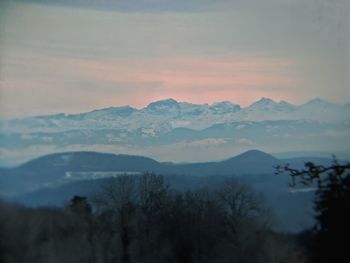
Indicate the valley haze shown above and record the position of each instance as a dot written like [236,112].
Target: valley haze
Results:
[53,179]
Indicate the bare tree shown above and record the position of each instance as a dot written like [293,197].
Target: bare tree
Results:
[118,196]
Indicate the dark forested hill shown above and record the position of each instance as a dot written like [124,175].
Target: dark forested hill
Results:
[55,178]
[61,168]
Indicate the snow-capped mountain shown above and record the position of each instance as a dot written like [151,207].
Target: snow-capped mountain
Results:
[266,104]
[172,114]
[169,125]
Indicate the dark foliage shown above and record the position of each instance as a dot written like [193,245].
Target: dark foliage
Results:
[140,219]
[332,207]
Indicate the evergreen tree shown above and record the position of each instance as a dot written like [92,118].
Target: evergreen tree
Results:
[332,207]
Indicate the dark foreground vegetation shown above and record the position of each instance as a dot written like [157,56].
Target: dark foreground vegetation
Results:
[140,219]
[328,241]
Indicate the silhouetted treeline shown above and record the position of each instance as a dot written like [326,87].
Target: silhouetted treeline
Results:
[327,242]
[140,219]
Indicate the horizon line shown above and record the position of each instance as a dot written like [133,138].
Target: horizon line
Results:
[177,101]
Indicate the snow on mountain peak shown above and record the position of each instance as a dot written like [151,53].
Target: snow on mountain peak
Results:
[164,115]
[263,103]
[122,111]
[318,102]
[163,105]
[266,100]
[282,102]
[224,106]
[285,106]
[269,104]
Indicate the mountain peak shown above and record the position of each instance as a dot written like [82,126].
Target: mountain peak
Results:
[163,106]
[225,102]
[118,109]
[252,162]
[169,100]
[317,101]
[225,106]
[122,111]
[283,102]
[254,152]
[161,103]
[263,102]
[254,155]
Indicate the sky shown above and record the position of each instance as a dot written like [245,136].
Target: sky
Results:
[74,56]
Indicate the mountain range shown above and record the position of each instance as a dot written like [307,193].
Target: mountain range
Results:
[181,131]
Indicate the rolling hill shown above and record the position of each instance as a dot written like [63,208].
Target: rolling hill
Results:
[54,179]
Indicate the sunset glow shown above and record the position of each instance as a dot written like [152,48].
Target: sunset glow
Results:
[51,55]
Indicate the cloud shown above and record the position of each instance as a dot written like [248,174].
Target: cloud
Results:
[140,5]
[204,143]
[245,141]
[333,133]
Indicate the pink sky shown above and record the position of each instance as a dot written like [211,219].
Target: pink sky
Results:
[193,79]
[140,81]
[63,59]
